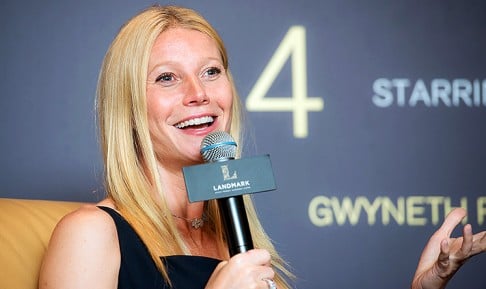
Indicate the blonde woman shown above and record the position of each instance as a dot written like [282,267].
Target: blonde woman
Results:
[164,85]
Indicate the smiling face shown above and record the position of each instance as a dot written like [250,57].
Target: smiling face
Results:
[188,94]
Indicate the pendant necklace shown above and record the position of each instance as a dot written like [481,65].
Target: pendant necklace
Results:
[196,223]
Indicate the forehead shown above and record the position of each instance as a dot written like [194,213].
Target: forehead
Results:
[179,40]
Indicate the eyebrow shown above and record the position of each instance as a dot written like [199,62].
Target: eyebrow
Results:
[170,62]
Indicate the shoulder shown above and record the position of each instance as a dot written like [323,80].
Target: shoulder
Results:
[88,225]
[89,217]
[83,241]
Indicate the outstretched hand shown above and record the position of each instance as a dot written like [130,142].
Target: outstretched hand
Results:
[443,255]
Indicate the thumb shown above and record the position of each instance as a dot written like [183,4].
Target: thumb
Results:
[451,221]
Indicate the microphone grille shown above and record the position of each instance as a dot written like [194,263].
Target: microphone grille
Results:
[218,146]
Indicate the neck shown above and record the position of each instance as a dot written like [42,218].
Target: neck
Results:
[174,188]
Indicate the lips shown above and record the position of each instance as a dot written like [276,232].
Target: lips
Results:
[195,122]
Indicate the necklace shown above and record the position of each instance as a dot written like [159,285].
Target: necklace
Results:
[196,223]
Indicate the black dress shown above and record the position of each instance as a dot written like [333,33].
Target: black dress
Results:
[138,270]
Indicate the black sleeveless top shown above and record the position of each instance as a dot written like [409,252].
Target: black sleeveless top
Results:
[138,270]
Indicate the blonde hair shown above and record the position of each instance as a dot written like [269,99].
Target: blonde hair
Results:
[130,165]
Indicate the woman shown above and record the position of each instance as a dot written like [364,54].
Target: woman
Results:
[163,86]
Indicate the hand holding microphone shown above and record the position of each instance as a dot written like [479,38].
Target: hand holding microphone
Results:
[250,269]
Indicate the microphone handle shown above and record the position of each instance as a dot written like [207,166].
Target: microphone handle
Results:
[235,222]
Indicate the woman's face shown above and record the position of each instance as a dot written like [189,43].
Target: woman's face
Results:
[188,94]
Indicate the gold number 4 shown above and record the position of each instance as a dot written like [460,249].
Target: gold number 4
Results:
[293,44]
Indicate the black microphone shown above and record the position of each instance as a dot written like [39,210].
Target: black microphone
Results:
[218,147]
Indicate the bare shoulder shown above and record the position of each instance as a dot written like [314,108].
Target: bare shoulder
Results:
[83,241]
[87,219]
[87,226]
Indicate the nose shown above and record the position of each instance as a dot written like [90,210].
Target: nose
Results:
[195,93]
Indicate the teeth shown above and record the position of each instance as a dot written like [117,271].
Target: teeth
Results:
[195,121]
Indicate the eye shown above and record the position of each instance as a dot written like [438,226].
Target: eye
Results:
[166,78]
[212,72]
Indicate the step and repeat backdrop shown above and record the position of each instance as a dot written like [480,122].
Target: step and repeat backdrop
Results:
[373,113]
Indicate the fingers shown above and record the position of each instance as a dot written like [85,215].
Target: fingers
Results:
[479,243]
[269,283]
[443,255]
[254,256]
[244,270]
[256,263]
[443,259]
[480,237]
[261,259]
[452,220]
[467,242]
[451,259]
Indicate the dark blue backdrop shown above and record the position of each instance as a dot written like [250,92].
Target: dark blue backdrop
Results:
[401,130]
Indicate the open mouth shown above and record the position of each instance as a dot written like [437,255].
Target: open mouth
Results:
[200,122]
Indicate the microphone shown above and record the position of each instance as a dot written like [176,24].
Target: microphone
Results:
[219,147]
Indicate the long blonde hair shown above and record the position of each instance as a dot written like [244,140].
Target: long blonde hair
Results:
[131,175]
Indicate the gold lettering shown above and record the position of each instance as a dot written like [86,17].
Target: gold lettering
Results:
[481,209]
[369,208]
[346,210]
[415,211]
[319,212]
[412,211]
[388,208]
[434,202]
[293,47]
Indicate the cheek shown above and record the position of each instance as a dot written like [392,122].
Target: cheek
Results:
[158,102]
[152,111]
[227,104]
[225,97]
[157,110]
